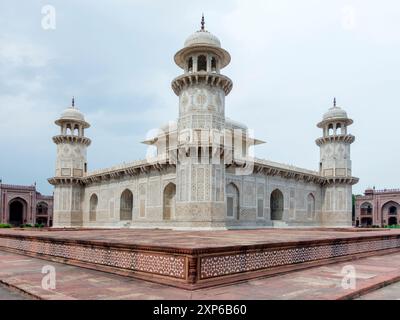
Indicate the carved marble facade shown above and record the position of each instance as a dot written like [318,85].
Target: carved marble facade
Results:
[203,173]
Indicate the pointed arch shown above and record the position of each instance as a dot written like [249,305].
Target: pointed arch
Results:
[232,201]
[391,208]
[338,129]
[17,209]
[310,205]
[202,63]
[126,206]
[42,208]
[213,64]
[366,209]
[169,201]
[276,205]
[94,201]
[330,129]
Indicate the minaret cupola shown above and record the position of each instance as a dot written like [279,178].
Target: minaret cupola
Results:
[202,59]
[335,144]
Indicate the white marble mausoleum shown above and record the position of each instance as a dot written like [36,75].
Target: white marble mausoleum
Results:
[202,173]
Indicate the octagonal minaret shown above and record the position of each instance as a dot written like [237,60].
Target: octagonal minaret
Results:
[71,167]
[335,167]
[200,171]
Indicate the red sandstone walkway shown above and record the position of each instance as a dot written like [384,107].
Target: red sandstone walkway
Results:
[314,283]
[391,292]
[7,293]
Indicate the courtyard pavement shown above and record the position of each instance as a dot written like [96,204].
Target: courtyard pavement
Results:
[323,282]
[391,292]
[7,293]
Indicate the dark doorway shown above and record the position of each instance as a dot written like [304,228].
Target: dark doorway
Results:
[16,213]
[392,221]
[42,221]
[366,222]
[276,205]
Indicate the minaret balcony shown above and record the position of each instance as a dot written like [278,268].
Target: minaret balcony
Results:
[346,138]
[340,180]
[202,77]
[71,139]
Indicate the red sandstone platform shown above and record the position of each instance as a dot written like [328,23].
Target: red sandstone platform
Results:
[194,260]
[24,274]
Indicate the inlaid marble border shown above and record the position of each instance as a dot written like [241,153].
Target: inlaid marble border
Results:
[222,265]
[154,263]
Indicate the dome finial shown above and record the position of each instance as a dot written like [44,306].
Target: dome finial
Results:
[73,102]
[202,22]
[334,102]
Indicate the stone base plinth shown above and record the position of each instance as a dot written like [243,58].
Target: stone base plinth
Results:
[198,259]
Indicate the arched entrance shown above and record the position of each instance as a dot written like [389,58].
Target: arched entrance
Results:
[276,205]
[392,221]
[94,200]
[366,222]
[169,201]
[17,208]
[232,201]
[42,209]
[389,213]
[366,209]
[310,206]
[126,206]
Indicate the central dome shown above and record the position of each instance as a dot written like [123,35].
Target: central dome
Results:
[202,38]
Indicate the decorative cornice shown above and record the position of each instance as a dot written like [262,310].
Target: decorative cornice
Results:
[134,170]
[346,138]
[259,167]
[270,170]
[212,79]
[65,181]
[340,180]
[71,139]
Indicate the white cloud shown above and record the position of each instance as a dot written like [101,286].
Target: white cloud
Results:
[21,54]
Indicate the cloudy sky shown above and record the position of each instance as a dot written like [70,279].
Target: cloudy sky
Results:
[289,59]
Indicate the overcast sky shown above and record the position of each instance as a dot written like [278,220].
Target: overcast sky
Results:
[289,59]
